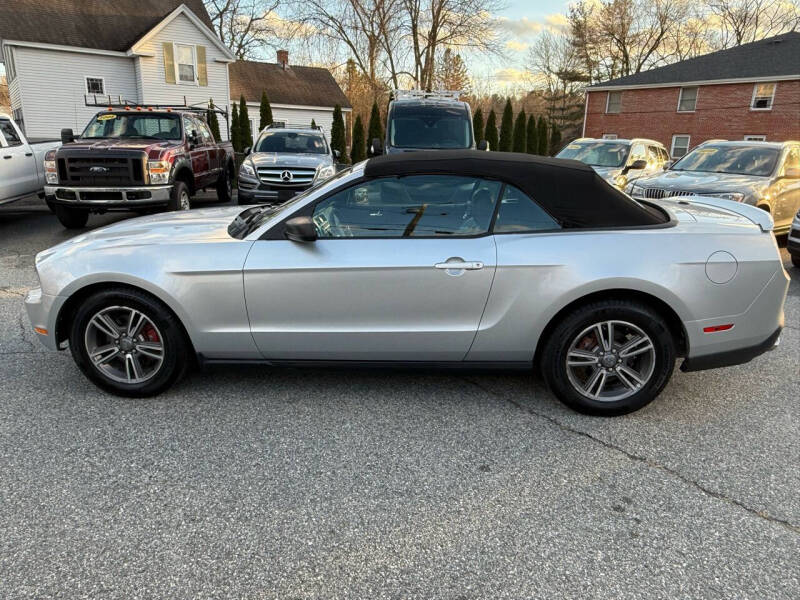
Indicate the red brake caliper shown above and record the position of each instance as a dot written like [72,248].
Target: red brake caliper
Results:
[150,334]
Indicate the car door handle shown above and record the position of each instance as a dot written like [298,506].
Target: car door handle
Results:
[29,154]
[460,265]
[7,156]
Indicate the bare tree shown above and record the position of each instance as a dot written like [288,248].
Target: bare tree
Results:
[244,26]
[743,21]
[5,101]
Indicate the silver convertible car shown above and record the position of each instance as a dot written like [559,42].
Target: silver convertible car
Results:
[451,258]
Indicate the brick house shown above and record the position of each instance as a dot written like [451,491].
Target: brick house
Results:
[747,92]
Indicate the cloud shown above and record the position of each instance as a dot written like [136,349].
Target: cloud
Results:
[516,46]
[557,21]
[511,75]
[523,27]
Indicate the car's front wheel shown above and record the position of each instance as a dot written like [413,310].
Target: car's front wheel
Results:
[180,199]
[796,260]
[609,358]
[128,343]
[71,218]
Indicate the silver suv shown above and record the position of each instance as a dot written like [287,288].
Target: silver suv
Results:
[285,161]
[763,174]
[618,161]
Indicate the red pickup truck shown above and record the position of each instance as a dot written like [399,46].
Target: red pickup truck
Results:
[136,159]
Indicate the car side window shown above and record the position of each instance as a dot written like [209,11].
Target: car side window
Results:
[188,126]
[519,214]
[205,132]
[9,133]
[414,206]
[637,152]
[792,160]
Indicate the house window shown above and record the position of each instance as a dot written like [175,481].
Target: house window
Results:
[609,136]
[687,101]
[614,102]
[755,138]
[680,145]
[763,94]
[185,63]
[95,85]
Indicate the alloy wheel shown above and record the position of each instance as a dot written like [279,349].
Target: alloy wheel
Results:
[610,361]
[124,344]
[184,203]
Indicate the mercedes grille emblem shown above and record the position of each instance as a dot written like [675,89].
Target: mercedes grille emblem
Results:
[286,176]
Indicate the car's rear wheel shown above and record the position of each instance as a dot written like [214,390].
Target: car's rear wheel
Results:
[71,218]
[128,343]
[609,358]
[224,186]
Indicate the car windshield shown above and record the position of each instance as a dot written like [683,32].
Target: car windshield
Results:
[252,218]
[134,125]
[296,142]
[734,160]
[429,126]
[597,154]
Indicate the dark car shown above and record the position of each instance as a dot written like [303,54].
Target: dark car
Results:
[135,159]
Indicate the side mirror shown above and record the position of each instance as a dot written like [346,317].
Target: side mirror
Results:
[636,165]
[300,229]
[377,147]
[791,173]
[194,138]
[247,150]
[483,145]
[336,154]
[67,136]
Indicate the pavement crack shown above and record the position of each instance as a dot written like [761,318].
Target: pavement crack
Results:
[642,459]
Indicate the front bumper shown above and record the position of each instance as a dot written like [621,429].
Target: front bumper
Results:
[109,197]
[253,192]
[42,311]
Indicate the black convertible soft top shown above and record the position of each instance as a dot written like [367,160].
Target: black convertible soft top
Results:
[569,190]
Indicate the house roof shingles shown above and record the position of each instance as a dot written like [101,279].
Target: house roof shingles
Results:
[771,57]
[296,85]
[98,24]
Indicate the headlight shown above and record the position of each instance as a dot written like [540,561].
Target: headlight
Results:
[159,171]
[735,196]
[324,172]
[50,171]
[636,191]
[247,169]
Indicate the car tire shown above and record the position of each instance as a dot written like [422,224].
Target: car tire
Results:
[796,260]
[180,198]
[615,377]
[71,218]
[128,363]
[224,186]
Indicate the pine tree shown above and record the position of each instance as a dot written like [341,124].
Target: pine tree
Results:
[477,126]
[358,150]
[375,129]
[338,141]
[520,135]
[213,122]
[532,146]
[555,139]
[236,134]
[507,128]
[264,111]
[246,132]
[452,73]
[490,133]
[541,134]
[313,124]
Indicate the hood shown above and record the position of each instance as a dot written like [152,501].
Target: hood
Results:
[699,182]
[281,159]
[203,225]
[121,144]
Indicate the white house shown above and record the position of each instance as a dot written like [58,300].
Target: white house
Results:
[297,95]
[142,51]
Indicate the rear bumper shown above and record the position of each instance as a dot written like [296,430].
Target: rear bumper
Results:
[732,357]
[109,197]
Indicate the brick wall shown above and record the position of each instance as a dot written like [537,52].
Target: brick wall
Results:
[723,111]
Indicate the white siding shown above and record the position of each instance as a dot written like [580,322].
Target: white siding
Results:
[52,85]
[293,117]
[154,87]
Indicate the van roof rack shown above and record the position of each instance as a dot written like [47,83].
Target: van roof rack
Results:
[451,95]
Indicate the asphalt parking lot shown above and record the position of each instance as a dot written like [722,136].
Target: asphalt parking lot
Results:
[260,483]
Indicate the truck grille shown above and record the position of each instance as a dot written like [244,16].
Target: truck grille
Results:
[292,176]
[659,193]
[101,171]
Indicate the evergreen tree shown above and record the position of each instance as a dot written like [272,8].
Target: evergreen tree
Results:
[338,141]
[236,134]
[520,135]
[358,149]
[264,111]
[246,133]
[477,125]
[213,122]
[555,139]
[313,124]
[375,129]
[541,134]
[507,128]
[490,133]
[532,146]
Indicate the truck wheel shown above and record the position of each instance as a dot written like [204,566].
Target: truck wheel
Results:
[71,218]
[224,186]
[179,199]
[796,260]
